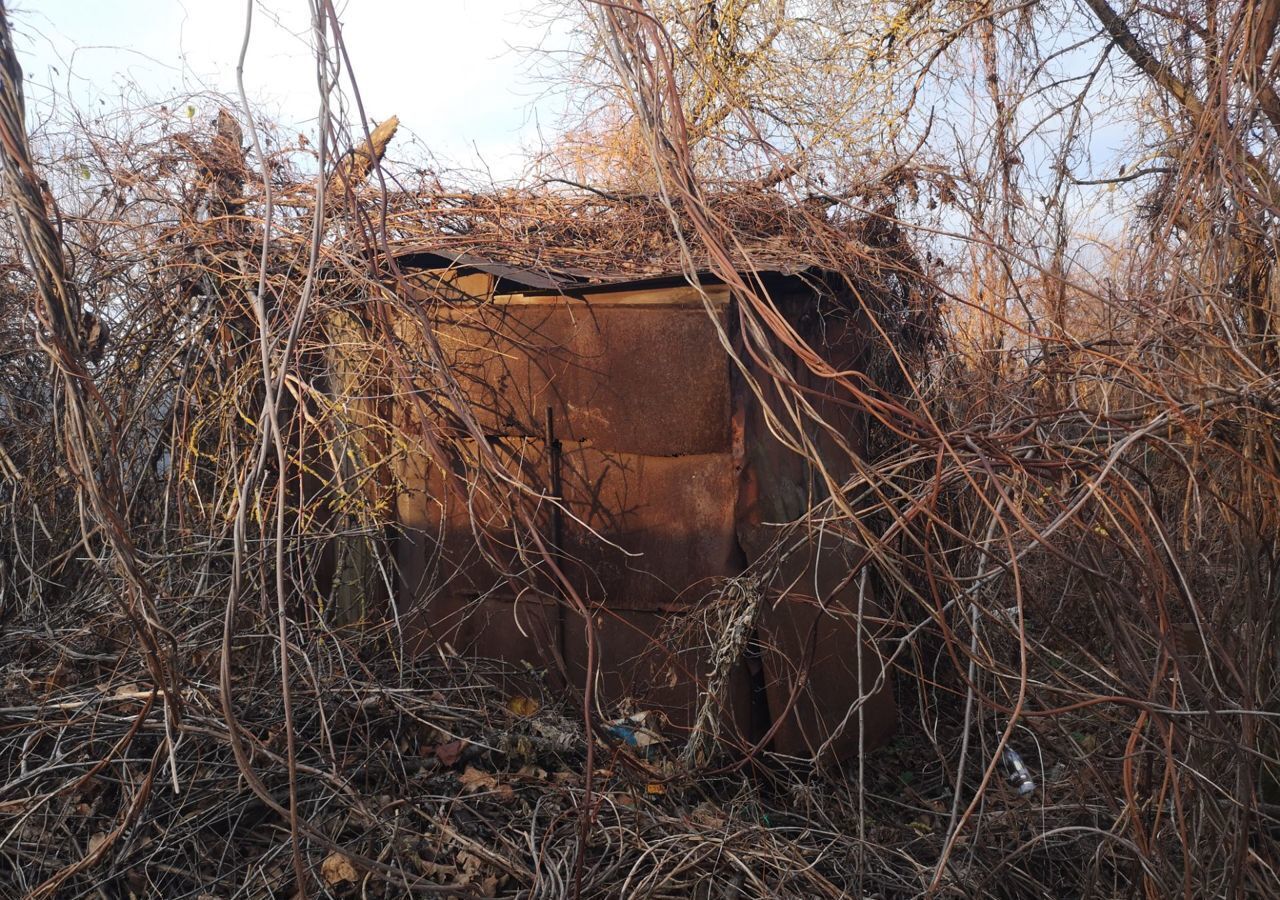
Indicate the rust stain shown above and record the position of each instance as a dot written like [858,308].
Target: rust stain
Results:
[635,380]
[669,479]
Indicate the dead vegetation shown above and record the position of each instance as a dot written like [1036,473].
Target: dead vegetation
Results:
[1071,518]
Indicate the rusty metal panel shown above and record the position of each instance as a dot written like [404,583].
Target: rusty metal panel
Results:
[669,521]
[670,479]
[496,626]
[809,649]
[639,379]
[807,633]
[812,680]
[777,484]
[439,551]
[640,667]
[524,633]
[642,532]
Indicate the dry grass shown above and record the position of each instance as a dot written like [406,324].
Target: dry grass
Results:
[1076,554]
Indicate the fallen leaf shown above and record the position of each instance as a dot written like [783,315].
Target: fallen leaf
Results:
[521,748]
[435,871]
[468,864]
[337,868]
[522,706]
[96,841]
[450,752]
[474,780]
[467,873]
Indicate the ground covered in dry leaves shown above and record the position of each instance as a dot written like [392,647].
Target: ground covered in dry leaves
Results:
[436,779]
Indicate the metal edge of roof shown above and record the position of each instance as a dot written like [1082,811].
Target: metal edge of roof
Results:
[543,282]
[704,277]
[524,277]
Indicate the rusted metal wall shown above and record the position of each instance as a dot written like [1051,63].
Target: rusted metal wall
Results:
[670,481]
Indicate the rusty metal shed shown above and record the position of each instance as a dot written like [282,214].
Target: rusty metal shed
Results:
[616,395]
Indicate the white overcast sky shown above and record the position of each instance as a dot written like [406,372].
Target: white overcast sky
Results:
[457,72]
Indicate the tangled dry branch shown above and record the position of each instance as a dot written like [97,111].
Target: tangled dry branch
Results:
[1073,548]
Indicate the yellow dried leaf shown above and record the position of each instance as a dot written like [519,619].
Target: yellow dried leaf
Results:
[522,706]
[472,779]
[337,868]
[468,864]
